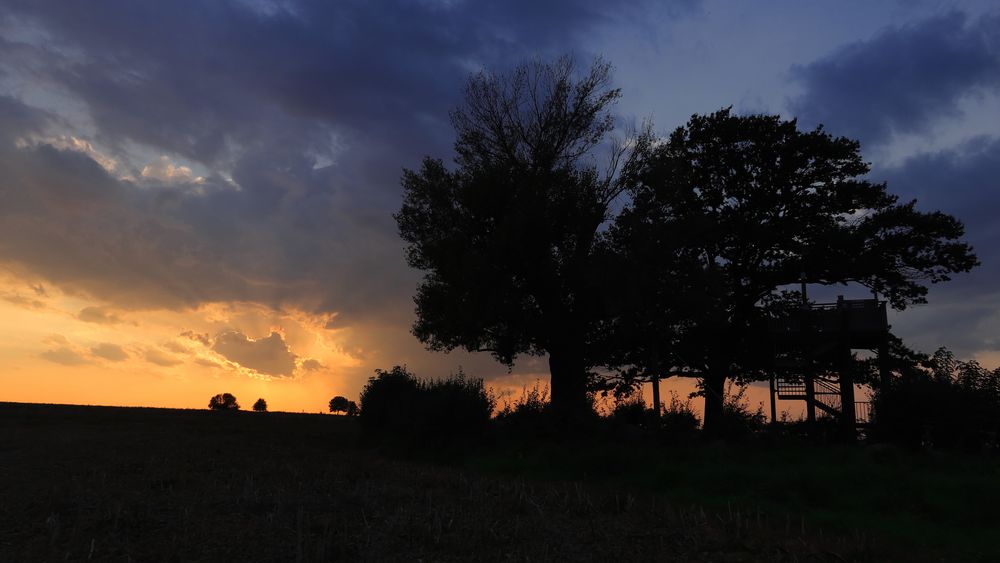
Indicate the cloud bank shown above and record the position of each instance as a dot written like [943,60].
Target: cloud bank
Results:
[903,80]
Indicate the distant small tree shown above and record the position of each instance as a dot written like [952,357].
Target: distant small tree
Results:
[260,406]
[344,405]
[224,402]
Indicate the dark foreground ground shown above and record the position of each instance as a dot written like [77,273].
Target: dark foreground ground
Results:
[110,484]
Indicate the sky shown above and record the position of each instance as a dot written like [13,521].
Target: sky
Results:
[196,197]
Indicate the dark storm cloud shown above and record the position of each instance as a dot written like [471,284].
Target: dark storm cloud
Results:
[312,108]
[902,80]
[906,80]
[270,356]
[193,76]
[962,181]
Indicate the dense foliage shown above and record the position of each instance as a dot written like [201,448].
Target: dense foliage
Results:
[223,402]
[507,240]
[941,403]
[728,211]
[396,402]
[343,405]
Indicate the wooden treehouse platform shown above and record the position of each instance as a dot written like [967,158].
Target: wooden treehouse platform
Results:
[826,334]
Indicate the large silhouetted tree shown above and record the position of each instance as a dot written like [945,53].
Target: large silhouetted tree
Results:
[506,239]
[728,210]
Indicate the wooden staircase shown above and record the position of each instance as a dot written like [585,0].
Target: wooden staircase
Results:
[827,398]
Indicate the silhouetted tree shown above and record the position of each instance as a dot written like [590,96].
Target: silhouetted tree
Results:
[344,405]
[223,402]
[729,209]
[506,240]
[260,406]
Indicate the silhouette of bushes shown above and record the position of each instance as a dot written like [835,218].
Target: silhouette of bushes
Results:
[679,416]
[953,405]
[676,417]
[532,416]
[396,403]
[528,410]
[260,406]
[633,410]
[388,399]
[223,402]
[738,420]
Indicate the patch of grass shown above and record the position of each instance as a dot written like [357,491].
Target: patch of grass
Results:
[930,503]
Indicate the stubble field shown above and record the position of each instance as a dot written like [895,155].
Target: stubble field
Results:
[123,484]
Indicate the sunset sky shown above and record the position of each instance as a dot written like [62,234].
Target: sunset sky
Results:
[197,197]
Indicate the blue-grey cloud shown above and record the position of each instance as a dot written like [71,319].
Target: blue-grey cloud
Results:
[907,80]
[903,80]
[297,116]
[199,77]
[965,182]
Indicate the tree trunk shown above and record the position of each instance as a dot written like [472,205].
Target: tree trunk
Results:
[655,380]
[715,387]
[569,384]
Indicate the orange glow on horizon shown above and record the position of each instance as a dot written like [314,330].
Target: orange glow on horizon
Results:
[60,348]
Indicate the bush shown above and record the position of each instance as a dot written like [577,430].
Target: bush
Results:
[675,417]
[679,416]
[260,406]
[388,400]
[455,405]
[396,403]
[528,411]
[738,421]
[633,410]
[940,402]
[223,402]
[531,416]
[922,411]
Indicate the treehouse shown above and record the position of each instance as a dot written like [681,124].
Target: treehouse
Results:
[813,358]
